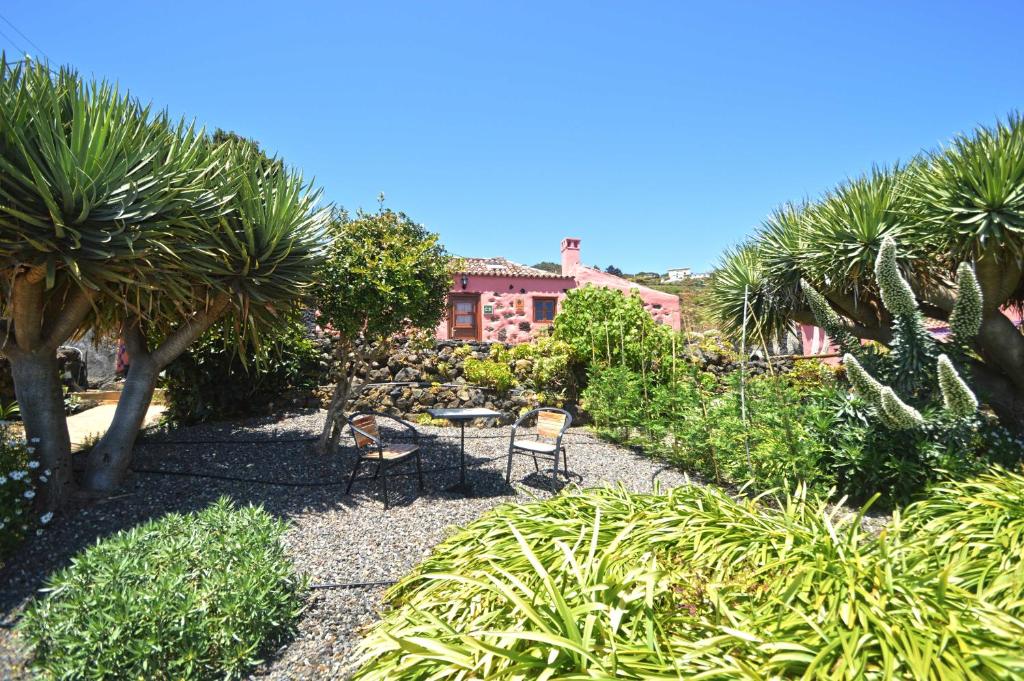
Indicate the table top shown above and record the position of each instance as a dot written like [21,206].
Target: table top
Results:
[463,414]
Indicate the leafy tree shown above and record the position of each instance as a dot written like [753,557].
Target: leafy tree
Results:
[549,266]
[383,274]
[963,203]
[612,269]
[92,184]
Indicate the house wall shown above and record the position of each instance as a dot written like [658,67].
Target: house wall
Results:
[511,298]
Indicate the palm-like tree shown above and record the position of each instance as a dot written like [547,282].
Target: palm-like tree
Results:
[252,260]
[91,182]
[961,203]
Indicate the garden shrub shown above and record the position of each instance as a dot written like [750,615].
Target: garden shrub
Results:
[21,478]
[194,596]
[601,583]
[211,381]
[696,422]
[489,373]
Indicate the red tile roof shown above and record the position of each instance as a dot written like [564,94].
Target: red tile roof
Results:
[502,267]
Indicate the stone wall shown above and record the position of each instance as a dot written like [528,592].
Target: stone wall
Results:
[436,369]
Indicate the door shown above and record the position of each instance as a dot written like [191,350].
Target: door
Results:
[464,317]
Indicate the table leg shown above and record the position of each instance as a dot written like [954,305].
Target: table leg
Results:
[462,486]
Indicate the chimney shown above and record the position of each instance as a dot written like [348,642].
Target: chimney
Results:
[570,256]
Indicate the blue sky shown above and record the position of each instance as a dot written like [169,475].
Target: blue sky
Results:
[659,133]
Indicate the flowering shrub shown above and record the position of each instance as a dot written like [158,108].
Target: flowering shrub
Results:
[21,477]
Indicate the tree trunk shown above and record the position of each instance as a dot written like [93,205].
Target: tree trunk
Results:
[110,458]
[41,401]
[342,391]
[1000,393]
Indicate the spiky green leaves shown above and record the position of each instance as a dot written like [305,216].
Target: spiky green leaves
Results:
[965,321]
[897,295]
[957,397]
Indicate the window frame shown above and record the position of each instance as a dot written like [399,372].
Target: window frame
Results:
[545,299]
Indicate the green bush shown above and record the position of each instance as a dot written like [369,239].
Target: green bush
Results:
[695,584]
[210,381]
[21,477]
[696,422]
[194,596]
[489,373]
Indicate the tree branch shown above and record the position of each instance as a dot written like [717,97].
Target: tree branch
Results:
[27,307]
[189,331]
[74,312]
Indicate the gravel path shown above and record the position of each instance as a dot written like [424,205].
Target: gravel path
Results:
[334,538]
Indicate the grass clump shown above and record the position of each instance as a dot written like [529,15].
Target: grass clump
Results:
[696,584]
[193,596]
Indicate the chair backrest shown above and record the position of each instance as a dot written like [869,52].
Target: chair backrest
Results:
[550,423]
[368,424]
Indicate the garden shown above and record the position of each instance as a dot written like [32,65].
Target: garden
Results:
[726,510]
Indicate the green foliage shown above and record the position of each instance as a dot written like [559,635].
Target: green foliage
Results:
[197,596]
[695,584]
[696,422]
[953,211]
[21,478]
[383,273]
[603,326]
[489,373]
[212,381]
[552,364]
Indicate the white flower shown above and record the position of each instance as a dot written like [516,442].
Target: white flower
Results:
[17,475]
[29,494]
[43,478]
[3,479]
[34,440]
[33,464]
[45,518]
[39,532]
[46,472]
[30,450]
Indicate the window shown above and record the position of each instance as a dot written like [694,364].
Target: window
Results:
[544,309]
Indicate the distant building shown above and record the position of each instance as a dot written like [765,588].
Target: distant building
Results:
[683,274]
[495,299]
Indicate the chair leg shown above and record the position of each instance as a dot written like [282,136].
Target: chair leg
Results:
[508,469]
[359,462]
[419,470]
[565,462]
[383,484]
[536,466]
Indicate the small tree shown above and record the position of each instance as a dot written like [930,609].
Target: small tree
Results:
[383,273]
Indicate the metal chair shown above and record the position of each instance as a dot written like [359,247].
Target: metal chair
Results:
[551,425]
[371,447]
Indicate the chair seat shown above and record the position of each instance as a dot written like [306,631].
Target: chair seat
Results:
[534,446]
[391,452]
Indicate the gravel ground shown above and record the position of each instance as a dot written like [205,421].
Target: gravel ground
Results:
[333,538]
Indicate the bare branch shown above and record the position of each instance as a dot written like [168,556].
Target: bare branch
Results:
[75,310]
[190,330]
[27,308]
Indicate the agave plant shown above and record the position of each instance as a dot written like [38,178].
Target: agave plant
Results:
[92,183]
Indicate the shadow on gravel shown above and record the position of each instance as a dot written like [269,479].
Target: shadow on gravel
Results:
[268,461]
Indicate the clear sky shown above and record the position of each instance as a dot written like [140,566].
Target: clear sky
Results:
[659,133]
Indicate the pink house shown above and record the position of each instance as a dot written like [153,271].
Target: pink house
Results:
[494,299]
